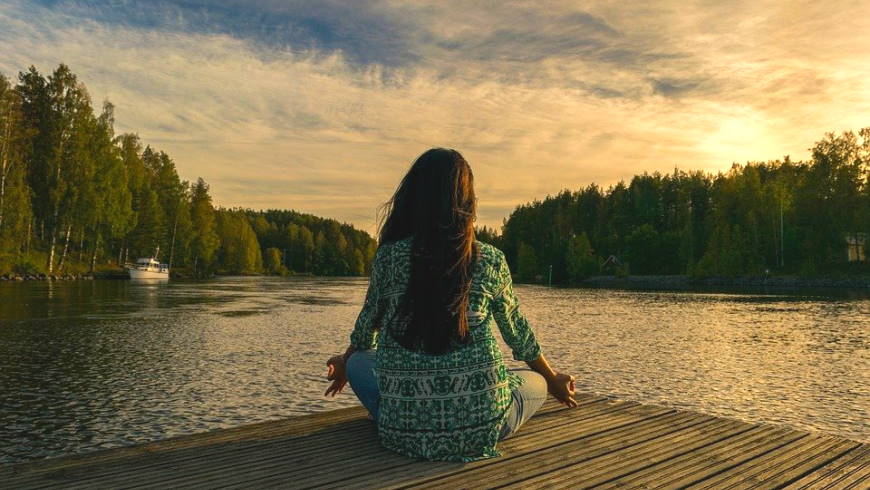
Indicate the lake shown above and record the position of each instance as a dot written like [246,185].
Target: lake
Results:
[86,365]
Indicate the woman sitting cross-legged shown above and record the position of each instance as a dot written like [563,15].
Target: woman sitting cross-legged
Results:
[422,357]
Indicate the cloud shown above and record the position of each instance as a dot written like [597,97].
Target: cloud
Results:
[320,107]
[361,30]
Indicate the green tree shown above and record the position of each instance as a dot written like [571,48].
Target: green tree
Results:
[174,205]
[205,240]
[829,201]
[239,249]
[69,109]
[149,226]
[272,262]
[581,260]
[642,246]
[109,201]
[54,111]
[134,170]
[306,249]
[527,263]
[357,263]
[321,254]
[15,211]
[38,120]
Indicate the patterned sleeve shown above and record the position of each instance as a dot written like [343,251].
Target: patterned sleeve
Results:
[364,335]
[515,329]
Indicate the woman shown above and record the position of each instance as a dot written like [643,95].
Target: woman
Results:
[422,357]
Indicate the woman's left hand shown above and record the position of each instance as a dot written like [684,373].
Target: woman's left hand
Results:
[561,386]
[337,374]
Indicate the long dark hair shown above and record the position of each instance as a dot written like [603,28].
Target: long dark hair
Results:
[435,204]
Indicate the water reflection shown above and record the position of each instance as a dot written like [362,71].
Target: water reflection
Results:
[87,365]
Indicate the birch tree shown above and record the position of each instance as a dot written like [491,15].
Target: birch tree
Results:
[14,194]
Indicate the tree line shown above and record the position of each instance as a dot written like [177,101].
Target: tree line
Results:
[76,197]
[776,217]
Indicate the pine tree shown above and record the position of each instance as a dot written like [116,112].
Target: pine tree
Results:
[205,240]
[580,259]
[527,263]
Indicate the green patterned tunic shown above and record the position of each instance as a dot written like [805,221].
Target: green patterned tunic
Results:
[448,407]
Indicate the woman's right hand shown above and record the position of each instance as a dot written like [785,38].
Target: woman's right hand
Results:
[561,386]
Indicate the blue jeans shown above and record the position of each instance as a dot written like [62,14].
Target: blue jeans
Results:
[525,399]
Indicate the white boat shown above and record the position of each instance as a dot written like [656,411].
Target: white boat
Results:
[148,268]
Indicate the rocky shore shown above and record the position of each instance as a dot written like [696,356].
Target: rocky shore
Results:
[45,277]
[64,277]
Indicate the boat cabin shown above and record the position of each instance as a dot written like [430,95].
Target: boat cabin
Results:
[150,264]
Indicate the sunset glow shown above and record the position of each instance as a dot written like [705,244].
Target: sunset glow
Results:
[321,106]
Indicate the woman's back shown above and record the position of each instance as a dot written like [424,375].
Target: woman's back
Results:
[449,406]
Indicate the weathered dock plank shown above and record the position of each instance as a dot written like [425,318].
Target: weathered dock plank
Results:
[603,443]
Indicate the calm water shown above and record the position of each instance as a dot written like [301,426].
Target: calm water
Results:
[90,365]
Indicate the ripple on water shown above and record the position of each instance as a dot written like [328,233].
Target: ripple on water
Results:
[105,365]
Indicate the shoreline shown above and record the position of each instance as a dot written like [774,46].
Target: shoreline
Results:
[683,282]
[123,275]
[49,277]
[651,282]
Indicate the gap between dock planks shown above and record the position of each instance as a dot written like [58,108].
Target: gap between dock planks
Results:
[603,443]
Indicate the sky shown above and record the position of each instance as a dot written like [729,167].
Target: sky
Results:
[321,106]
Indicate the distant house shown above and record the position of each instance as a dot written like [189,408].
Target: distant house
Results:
[856,247]
[611,265]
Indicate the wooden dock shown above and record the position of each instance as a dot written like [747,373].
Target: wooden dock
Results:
[603,443]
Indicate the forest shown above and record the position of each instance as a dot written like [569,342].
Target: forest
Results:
[809,218]
[76,198]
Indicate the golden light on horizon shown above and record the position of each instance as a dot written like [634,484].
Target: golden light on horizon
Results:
[326,117]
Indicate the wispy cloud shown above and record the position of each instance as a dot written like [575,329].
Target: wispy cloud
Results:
[320,106]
